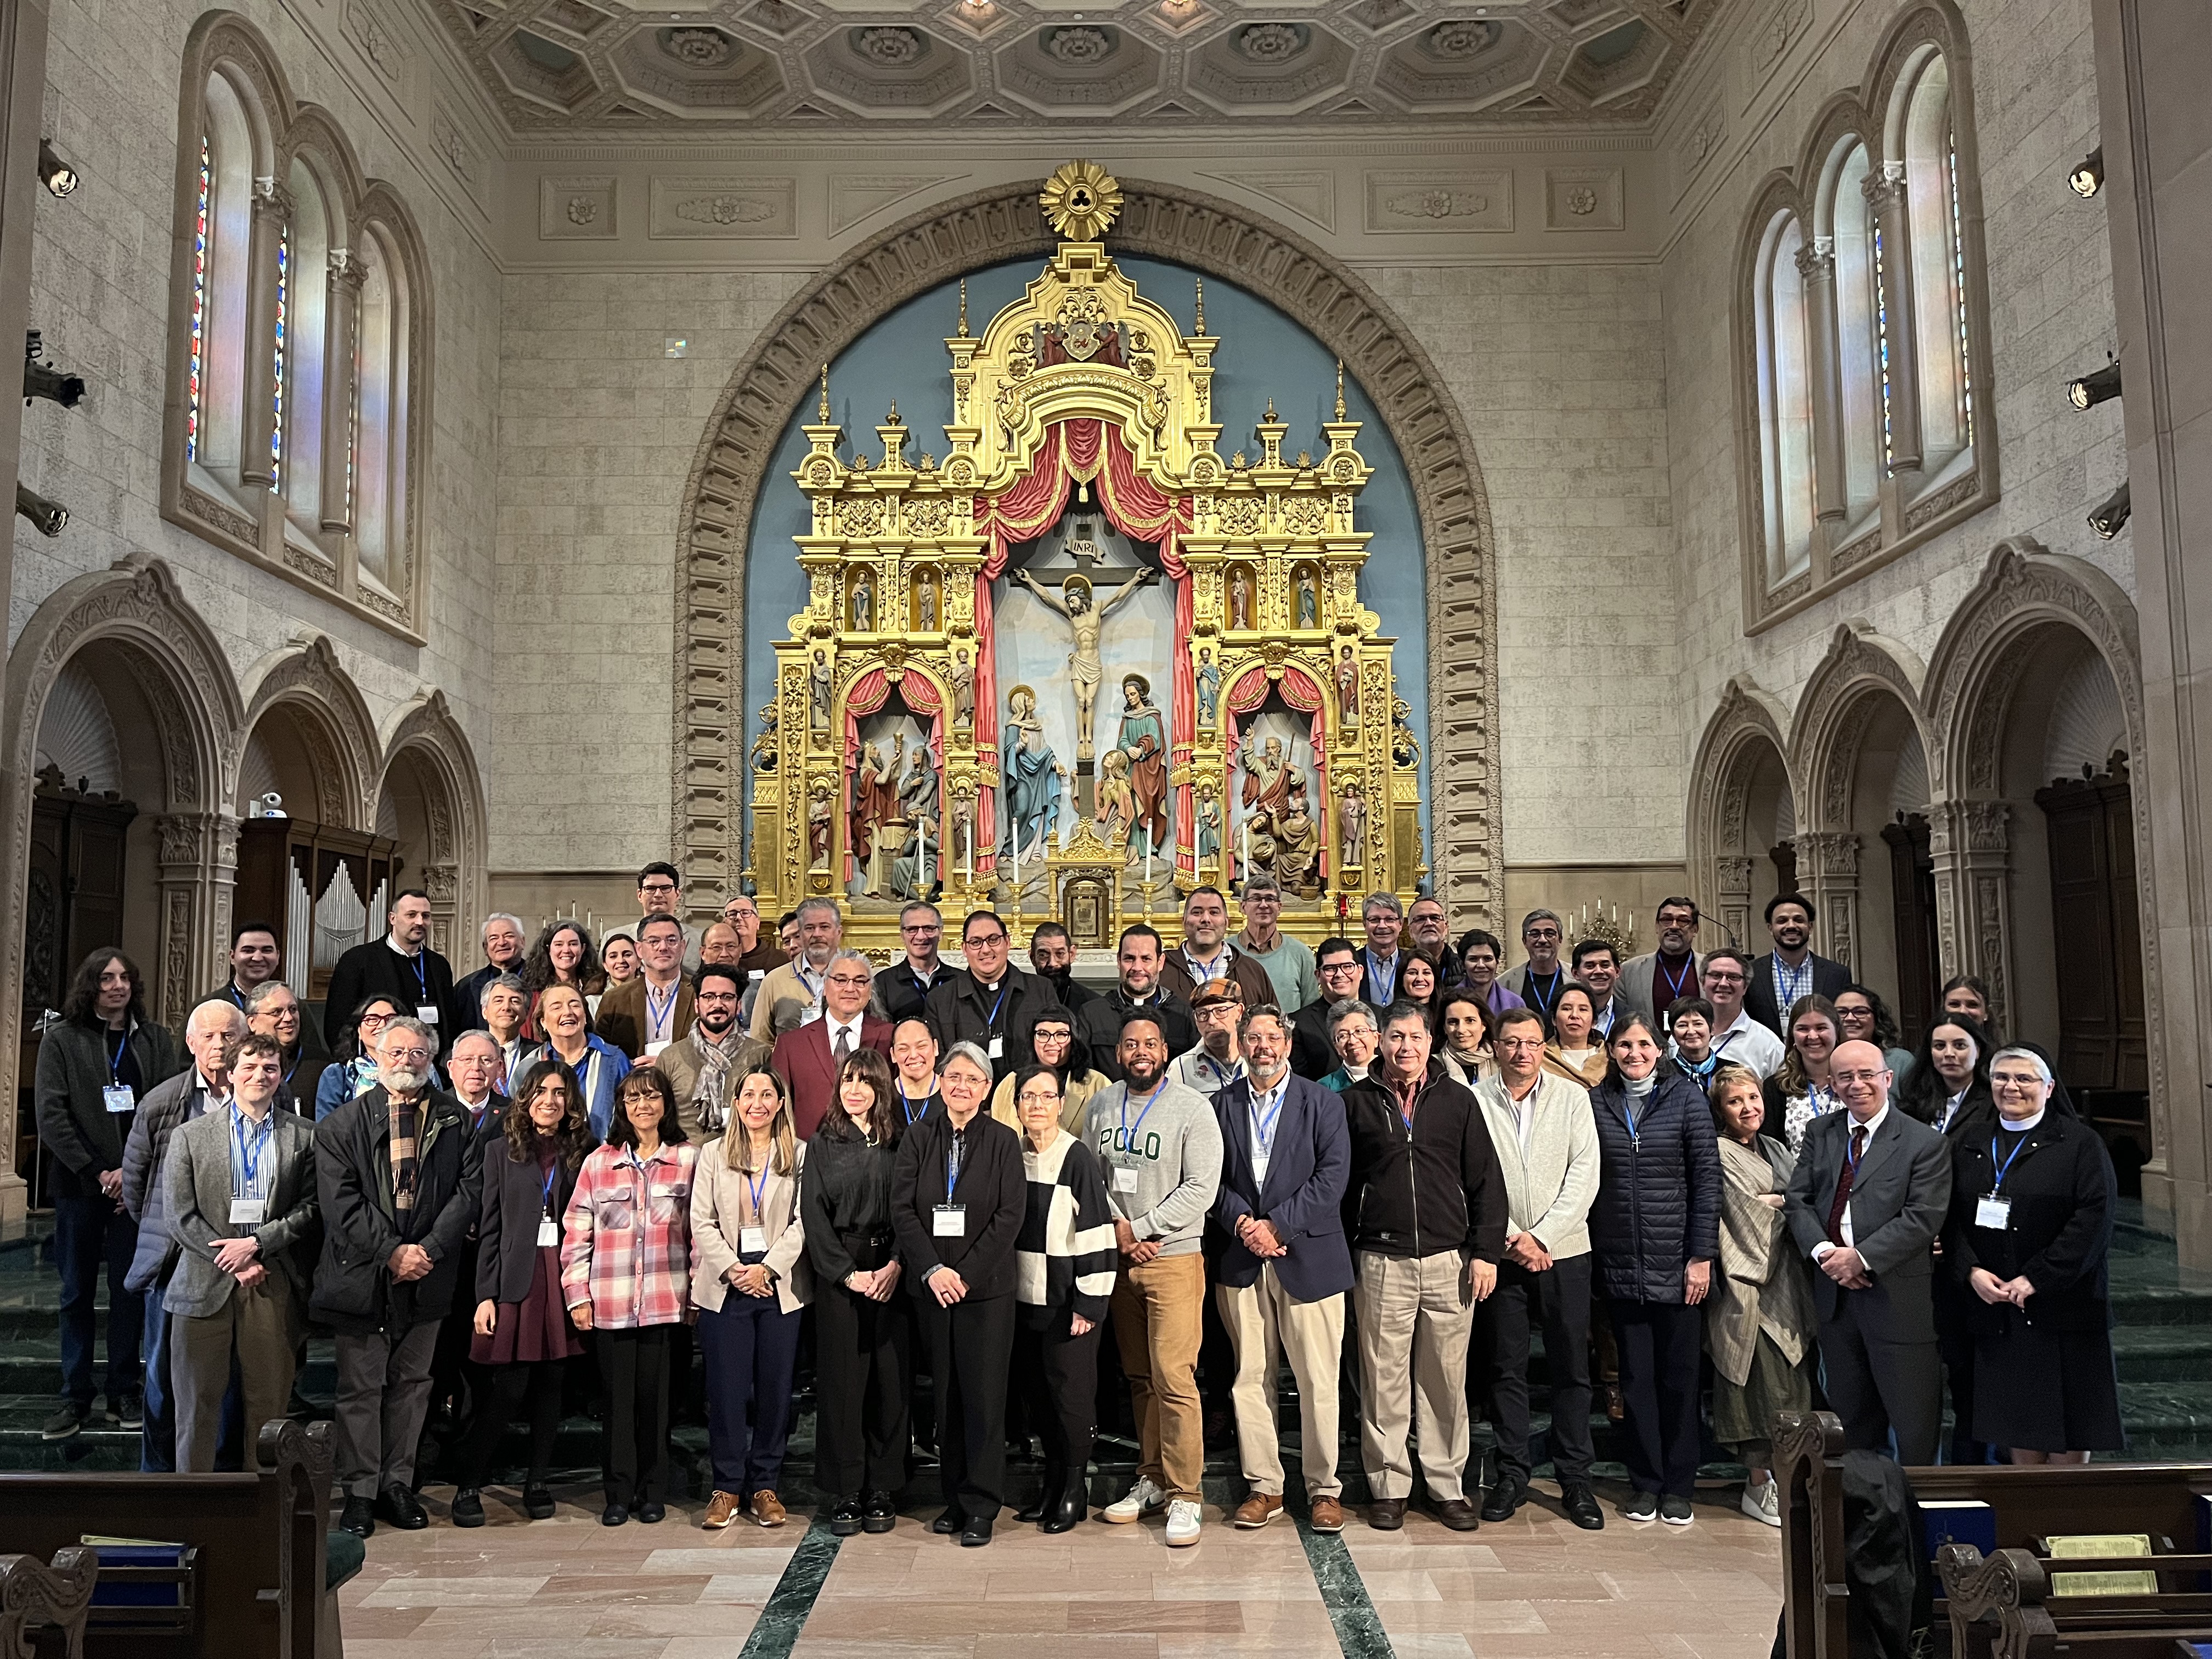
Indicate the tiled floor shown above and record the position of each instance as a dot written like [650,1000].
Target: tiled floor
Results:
[1534,1588]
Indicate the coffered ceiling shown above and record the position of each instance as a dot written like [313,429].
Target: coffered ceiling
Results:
[595,68]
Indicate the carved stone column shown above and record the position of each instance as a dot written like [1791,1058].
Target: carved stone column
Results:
[196,871]
[1885,194]
[1970,842]
[272,212]
[1732,881]
[1816,268]
[1828,874]
[442,882]
[347,273]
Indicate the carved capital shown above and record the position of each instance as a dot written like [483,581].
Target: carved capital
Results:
[349,270]
[1734,876]
[1884,191]
[271,200]
[1816,260]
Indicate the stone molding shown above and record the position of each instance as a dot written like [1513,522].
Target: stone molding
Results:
[307,676]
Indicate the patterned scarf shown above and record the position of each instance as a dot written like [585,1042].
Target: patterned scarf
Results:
[406,1124]
[715,1060]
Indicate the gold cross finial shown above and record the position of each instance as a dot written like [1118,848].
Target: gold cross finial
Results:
[1201,306]
[1340,388]
[963,308]
[1270,415]
[825,410]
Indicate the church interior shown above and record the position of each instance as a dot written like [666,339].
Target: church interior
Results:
[1050,455]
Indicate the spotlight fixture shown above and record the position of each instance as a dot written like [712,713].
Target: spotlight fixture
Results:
[48,516]
[2095,388]
[44,380]
[2111,512]
[2088,179]
[56,170]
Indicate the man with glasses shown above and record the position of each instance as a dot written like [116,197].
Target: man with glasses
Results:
[1136,990]
[791,995]
[1338,967]
[644,1015]
[704,1065]
[717,943]
[1870,1192]
[401,965]
[255,959]
[1288,963]
[1427,922]
[1217,1059]
[1538,980]
[1654,982]
[272,1011]
[755,956]
[1207,958]
[1738,1038]
[812,1058]
[989,1003]
[398,1175]
[1383,922]
[901,991]
[660,893]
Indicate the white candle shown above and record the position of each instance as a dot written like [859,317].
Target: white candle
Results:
[1247,850]
[968,851]
[1148,859]
[1018,857]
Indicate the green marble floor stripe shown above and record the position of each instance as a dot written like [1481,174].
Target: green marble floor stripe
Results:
[1343,1592]
[777,1629]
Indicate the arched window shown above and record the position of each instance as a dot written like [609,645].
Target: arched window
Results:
[1858,338]
[1785,390]
[1937,279]
[299,308]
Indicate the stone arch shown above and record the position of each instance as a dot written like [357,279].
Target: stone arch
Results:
[429,777]
[1740,776]
[1832,715]
[306,682]
[1314,290]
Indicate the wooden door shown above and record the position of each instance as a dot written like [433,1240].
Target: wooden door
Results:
[1912,901]
[2090,837]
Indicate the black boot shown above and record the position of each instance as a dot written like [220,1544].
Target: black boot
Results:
[1069,1508]
[1048,1494]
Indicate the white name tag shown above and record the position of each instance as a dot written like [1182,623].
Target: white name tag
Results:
[1125,1181]
[754,973]
[247,1212]
[118,1097]
[652,1049]
[1993,1212]
[1259,1170]
[811,1015]
[949,1221]
[752,1241]
[427,1014]
[549,1232]
[998,1048]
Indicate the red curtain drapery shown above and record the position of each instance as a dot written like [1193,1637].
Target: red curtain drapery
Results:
[868,695]
[1303,693]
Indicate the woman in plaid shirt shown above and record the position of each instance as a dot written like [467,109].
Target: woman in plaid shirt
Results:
[626,1273]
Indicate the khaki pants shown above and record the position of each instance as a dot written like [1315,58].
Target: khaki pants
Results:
[1415,1318]
[1264,1324]
[259,1325]
[1159,1317]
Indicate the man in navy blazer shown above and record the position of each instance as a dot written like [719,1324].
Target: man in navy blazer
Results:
[1280,1263]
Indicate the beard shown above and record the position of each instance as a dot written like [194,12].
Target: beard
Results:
[397,1080]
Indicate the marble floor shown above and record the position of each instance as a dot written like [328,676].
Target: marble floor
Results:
[1532,1588]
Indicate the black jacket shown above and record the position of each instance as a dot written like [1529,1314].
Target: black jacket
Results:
[514,1203]
[1432,1187]
[900,994]
[355,1291]
[959,1011]
[994,1189]
[74,1126]
[2058,1233]
[1829,979]
[1099,1026]
[1313,1056]
[1658,1204]
[375,969]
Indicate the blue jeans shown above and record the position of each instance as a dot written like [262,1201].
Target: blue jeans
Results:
[86,1230]
[751,1349]
[157,1449]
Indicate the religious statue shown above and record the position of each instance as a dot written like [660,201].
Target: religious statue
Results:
[913,874]
[1028,772]
[1309,600]
[819,815]
[764,746]
[875,796]
[1208,676]
[820,683]
[1351,819]
[925,604]
[1405,747]
[964,689]
[1144,739]
[864,606]
[1297,843]
[1074,604]
[1347,689]
[1240,599]
[1209,823]
[1268,778]
[1114,813]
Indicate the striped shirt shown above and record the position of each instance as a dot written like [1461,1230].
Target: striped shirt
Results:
[1065,1258]
[626,1239]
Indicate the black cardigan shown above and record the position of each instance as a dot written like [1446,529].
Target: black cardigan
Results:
[1433,1187]
[845,1202]
[2060,1232]
[993,1187]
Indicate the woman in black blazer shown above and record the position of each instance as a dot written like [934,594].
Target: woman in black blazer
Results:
[523,1331]
[2032,1194]
[959,1196]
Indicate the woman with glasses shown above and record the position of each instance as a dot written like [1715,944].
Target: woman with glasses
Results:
[2032,1196]
[1351,1032]
[1051,1039]
[1800,1091]
[1862,1017]
[342,1079]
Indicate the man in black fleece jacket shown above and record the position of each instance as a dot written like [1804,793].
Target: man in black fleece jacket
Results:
[1426,1212]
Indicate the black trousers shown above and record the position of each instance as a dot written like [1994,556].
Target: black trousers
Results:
[1557,1303]
[863,1366]
[508,1389]
[971,1345]
[1877,1383]
[633,1391]
[1659,1344]
[1056,1375]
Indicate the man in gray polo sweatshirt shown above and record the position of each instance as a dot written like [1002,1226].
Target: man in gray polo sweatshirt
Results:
[1161,1145]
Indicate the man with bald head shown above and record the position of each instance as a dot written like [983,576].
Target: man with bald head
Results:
[1869,1195]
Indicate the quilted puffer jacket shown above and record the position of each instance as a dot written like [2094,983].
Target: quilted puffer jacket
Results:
[1659,1189]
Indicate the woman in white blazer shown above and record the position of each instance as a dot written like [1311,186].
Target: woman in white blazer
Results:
[749,1281]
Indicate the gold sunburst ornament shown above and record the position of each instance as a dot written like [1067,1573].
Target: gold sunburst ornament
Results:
[1081,200]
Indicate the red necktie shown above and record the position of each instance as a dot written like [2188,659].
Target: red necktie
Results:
[1844,1185]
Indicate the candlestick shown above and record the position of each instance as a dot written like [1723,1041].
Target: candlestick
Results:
[1148,863]
[1245,871]
[967,852]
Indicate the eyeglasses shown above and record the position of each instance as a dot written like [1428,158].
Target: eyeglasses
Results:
[373,1018]
[985,939]
[1039,1098]
[658,888]
[1845,1079]
[850,981]
[2026,1084]
[406,1054]
[1713,978]
[1329,969]
[715,999]
[922,927]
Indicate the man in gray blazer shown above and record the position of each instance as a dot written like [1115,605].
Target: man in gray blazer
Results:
[1866,1201]
[239,1195]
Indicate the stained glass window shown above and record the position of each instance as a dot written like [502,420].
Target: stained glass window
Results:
[277,426]
[194,382]
[1959,290]
[1882,338]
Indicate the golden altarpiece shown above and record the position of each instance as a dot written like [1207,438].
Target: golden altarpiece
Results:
[1083,397]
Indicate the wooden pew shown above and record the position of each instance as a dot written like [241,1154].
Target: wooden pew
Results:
[2028,1503]
[42,1607]
[2002,1607]
[261,1537]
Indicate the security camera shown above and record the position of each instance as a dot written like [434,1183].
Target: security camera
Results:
[43,379]
[56,170]
[48,516]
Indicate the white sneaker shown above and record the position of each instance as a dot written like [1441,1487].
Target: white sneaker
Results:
[1183,1522]
[1142,1499]
[1764,1502]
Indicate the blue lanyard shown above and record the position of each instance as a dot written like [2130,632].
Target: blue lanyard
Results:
[422,974]
[755,1187]
[1263,1130]
[1001,1003]
[1788,991]
[1385,990]
[1203,974]
[115,1060]
[1628,1111]
[232,987]
[551,1175]
[953,1145]
[813,987]
[2019,1146]
[658,1009]
[1544,1003]
[250,1151]
[906,1103]
[1128,1135]
[295,1066]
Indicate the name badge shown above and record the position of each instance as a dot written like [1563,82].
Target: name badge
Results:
[652,1049]
[247,1212]
[118,1097]
[949,1221]
[812,1014]
[549,1232]
[1125,1181]
[998,1048]
[752,1241]
[1993,1212]
[754,973]
[1259,1169]
[427,1014]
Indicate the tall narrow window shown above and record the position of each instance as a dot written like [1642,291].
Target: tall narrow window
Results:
[222,233]
[192,383]
[1858,330]
[1936,286]
[276,424]
[1958,286]
[373,359]
[1785,396]
[306,339]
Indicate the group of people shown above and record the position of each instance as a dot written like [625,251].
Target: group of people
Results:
[671,1147]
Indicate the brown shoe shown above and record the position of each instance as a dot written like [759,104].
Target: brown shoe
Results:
[720,1510]
[1328,1515]
[768,1509]
[1616,1408]
[1258,1510]
[1459,1514]
[1386,1513]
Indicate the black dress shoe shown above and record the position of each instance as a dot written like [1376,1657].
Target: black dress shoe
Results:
[651,1513]
[949,1523]
[615,1514]
[975,1535]
[845,1519]
[1069,1509]
[1034,1510]
[357,1517]
[468,1507]
[1581,1505]
[537,1503]
[1503,1499]
[400,1507]
[880,1515]
[1458,1514]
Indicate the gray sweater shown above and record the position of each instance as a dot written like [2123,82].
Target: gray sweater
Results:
[1174,1148]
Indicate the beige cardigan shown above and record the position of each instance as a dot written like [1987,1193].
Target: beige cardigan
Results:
[720,1198]
[1762,1284]
[1550,1188]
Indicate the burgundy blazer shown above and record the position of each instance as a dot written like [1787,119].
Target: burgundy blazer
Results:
[802,1057]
